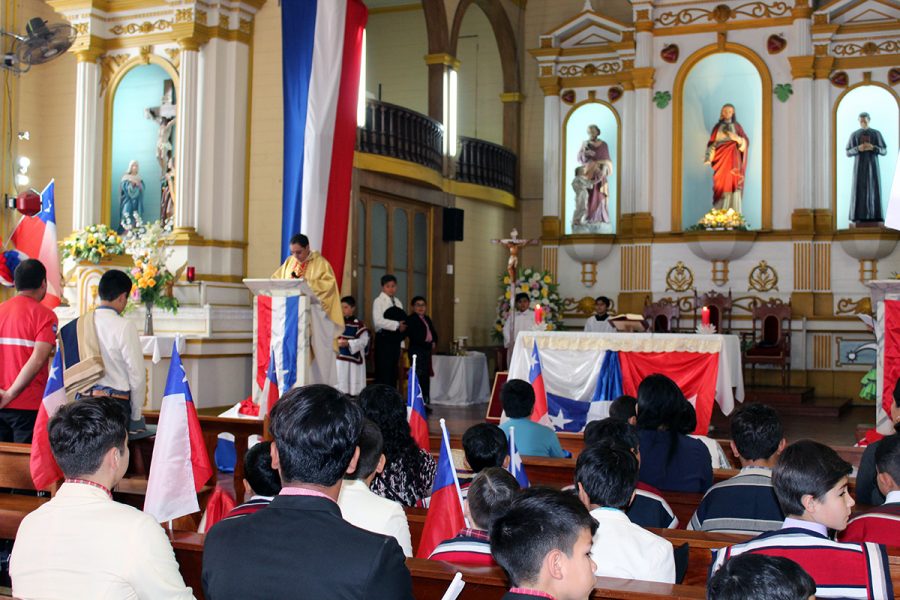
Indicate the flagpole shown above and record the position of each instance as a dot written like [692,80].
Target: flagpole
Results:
[446,437]
[410,389]
[512,446]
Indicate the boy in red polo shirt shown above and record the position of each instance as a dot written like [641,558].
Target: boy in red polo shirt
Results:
[27,338]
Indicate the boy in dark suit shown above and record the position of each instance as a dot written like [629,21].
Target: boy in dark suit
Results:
[543,542]
[299,546]
[881,525]
[422,340]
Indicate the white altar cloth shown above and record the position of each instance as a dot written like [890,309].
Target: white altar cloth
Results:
[460,380]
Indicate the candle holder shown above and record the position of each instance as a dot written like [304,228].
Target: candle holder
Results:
[191,274]
[706,329]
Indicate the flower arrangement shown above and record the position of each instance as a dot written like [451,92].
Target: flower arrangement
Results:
[540,287]
[718,218]
[93,243]
[150,245]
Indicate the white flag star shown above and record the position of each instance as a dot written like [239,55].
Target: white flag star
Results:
[559,421]
[53,372]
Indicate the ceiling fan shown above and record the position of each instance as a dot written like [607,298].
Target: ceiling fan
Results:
[41,43]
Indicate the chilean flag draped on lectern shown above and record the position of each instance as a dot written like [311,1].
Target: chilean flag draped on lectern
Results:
[321,56]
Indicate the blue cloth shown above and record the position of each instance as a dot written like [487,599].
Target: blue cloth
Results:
[609,382]
[226,456]
[534,439]
[573,411]
[688,470]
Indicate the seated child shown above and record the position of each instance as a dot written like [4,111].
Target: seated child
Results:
[364,508]
[606,477]
[624,408]
[746,503]
[484,445]
[881,525]
[649,508]
[810,481]
[489,496]
[261,481]
[532,439]
[760,577]
[543,542]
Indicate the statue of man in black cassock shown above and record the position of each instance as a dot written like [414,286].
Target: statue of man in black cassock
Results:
[866,144]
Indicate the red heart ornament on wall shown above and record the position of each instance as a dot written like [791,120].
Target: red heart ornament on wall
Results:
[894,76]
[568,96]
[840,79]
[669,53]
[614,93]
[775,44]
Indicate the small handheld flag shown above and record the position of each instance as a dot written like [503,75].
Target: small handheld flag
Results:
[269,394]
[415,410]
[515,461]
[44,470]
[445,516]
[536,379]
[180,465]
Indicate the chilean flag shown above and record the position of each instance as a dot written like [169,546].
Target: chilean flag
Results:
[44,470]
[445,511]
[270,393]
[9,260]
[36,237]
[322,43]
[516,468]
[536,379]
[180,464]
[415,410]
[278,331]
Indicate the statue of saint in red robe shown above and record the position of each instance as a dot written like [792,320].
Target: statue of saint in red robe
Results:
[726,153]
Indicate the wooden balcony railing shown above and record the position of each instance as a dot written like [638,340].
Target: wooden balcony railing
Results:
[487,164]
[398,132]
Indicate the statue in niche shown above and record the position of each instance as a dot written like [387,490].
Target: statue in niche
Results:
[131,195]
[582,187]
[866,144]
[164,116]
[726,153]
[167,193]
[596,168]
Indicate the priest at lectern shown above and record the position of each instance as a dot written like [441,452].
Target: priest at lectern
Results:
[327,321]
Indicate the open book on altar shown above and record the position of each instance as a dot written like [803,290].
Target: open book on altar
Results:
[628,322]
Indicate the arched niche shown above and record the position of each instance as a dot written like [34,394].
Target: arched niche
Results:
[133,120]
[881,103]
[480,109]
[575,132]
[710,78]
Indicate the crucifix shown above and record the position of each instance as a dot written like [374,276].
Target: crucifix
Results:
[513,243]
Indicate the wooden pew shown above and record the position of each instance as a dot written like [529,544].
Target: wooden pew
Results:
[15,473]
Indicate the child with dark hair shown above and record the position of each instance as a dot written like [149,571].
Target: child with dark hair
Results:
[489,496]
[606,477]
[881,525]
[760,577]
[599,321]
[485,445]
[389,320]
[521,318]
[543,542]
[360,506]
[261,481]
[649,508]
[353,346]
[532,439]
[746,503]
[810,481]
[624,408]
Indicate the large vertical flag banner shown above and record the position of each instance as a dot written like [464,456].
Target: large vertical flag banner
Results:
[180,464]
[890,352]
[322,44]
[36,237]
[415,410]
[44,470]
[277,335]
[536,379]
[445,511]
[516,468]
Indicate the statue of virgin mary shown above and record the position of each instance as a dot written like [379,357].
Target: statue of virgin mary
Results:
[131,195]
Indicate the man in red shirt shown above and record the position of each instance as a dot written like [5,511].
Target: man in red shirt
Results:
[27,337]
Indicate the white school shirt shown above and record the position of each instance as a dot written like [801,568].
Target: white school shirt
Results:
[524,322]
[123,357]
[592,325]
[381,304]
[628,551]
[367,510]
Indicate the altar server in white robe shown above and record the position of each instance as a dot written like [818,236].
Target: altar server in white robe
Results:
[353,346]
[524,321]
[599,321]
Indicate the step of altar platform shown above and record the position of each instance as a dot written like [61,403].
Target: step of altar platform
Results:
[798,401]
[778,396]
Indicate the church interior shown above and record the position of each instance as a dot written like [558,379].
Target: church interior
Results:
[677,157]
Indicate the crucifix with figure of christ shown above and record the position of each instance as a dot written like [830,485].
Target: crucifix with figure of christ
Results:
[513,243]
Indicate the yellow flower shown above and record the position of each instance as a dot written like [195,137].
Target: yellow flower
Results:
[506,280]
[101,248]
[507,294]
[544,292]
[547,279]
[525,287]
[151,282]
[91,241]
[549,327]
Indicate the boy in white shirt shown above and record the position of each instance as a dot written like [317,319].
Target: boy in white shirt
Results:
[389,331]
[524,321]
[599,321]
[606,477]
[362,507]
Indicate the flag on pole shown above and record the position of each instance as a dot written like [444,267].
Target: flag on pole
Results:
[44,470]
[36,237]
[445,512]
[321,62]
[270,393]
[415,410]
[180,464]
[515,461]
[536,379]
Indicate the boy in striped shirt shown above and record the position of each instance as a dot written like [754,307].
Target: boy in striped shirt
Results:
[881,525]
[810,482]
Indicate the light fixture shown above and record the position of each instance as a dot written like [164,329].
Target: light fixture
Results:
[24,163]
[361,94]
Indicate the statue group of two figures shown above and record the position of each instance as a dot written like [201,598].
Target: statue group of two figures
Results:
[726,154]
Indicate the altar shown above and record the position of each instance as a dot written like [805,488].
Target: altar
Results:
[575,365]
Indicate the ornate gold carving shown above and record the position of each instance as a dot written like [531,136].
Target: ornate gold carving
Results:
[81,28]
[546,71]
[145,27]
[246,26]
[720,272]
[174,55]
[109,64]
[763,278]
[583,307]
[588,274]
[144,52]
[866,48]
[723,13]
[184,15]
[679,278]
[201,17]
[849,306]
[590,69]
[643,14]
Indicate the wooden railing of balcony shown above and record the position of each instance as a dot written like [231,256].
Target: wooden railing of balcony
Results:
[398,132]
[488,164]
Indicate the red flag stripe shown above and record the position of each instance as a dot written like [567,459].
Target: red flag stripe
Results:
[200,463]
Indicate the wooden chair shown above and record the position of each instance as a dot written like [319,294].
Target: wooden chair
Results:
[770,343]
[719,309]
[663,316]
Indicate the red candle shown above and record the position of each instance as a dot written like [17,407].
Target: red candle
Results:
[538,314]
[191,274]
[704,316]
